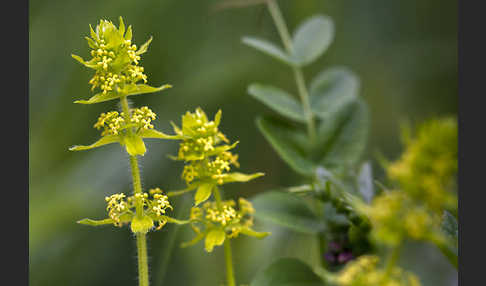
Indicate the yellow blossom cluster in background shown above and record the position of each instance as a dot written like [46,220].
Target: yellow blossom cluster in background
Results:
[426,171]
[366,271]
[425,179]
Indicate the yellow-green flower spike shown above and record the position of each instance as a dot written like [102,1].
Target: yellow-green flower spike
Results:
[205,149]
[427,168]
[115,60]
[216,223]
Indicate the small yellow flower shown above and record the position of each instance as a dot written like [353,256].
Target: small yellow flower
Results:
[218,222]
[113,123]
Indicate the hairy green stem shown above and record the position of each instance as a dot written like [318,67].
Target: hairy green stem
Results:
[230,276]
[299,76]
[137,185]
[143,279]
[229,263]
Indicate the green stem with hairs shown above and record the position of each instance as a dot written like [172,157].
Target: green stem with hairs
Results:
[230,276]
[143,279]
[298,74]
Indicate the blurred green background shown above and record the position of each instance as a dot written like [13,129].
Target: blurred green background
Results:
[405,53]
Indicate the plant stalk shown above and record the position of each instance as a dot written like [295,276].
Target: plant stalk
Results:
[298,74]
[392,259]
[230,276]
[143,279]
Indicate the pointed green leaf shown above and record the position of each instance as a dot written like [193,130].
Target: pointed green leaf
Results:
[278,100]
[108,139]
[134,145]
[176,221]
[143,48]
[92,33]
[286,210]
[287,272]
[80,59]
[128,35]
[189,188]
[290,144]
[199,156]
[123,218]
[203,193]
[312,38]
[134,89]
[222,148]
[332,90]
[144,88]
[121,28]
[193,241]
[93,222]
[91,43]
[152,133]
[99,97]
[168,219]
[240,177]
[344,139]
[268,48]
[250,232]
[217,117]
[214,238]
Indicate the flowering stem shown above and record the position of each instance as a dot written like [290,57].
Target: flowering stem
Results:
[227,246]
[229,263]
[143,279]
[298,74]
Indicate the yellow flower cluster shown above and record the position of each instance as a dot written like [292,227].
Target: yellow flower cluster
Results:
[427,168]
[116,206]
[225,214]
[154,207]
[160,202]
[222,215]
[207,159]
[114,57]
[201,135]
[394,216]
[224,219]
[211,169]
[425,176]
[364,271]
[113,122]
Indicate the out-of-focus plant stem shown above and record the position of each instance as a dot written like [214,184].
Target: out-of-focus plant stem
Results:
[298,74]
